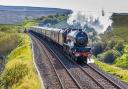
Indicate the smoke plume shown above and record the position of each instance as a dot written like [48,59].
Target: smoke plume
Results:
[95,20]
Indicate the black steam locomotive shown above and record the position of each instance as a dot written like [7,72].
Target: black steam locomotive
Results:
[73,41]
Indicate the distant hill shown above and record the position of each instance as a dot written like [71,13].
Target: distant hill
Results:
[120,19]
[120,26]
[16,14]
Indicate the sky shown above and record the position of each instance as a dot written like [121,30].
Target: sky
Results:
[86,5]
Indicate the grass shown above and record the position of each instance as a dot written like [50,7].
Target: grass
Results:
[23,49]
[8,41]
[119,72]
[28,23]
[9,28]
[19,72]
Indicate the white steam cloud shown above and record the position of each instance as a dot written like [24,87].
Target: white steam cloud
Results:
[97,21]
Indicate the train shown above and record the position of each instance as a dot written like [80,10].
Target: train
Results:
[73,41]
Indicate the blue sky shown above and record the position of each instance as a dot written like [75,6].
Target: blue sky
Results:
[86,5]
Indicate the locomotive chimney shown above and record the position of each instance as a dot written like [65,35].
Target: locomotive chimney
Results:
[103,13]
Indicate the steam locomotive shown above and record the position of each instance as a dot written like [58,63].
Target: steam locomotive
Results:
[73,41]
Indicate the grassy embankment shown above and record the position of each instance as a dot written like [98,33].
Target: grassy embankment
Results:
[19,72]
[119,72]
[119,44]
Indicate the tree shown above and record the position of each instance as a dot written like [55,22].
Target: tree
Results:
[109,56]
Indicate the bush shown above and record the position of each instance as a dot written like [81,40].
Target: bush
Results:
[120,46]
[126,48]
[14,72]
[9,28]
[122,61]
[29,81]
[111,44]
[8,42]
[109,56]
[97,49]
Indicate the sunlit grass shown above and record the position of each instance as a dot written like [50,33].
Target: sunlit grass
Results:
[23,51]
[119,72]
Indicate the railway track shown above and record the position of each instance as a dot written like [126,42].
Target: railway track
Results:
[100,75]
[99,78]
[114,81]
[79,76]
[44,66]
[103,81]
[66,80]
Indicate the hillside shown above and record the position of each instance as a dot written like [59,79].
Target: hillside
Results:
[120,26]
[16,64]
[20,68]
[16,14]
[120,20]
[116,42]
[114,55]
